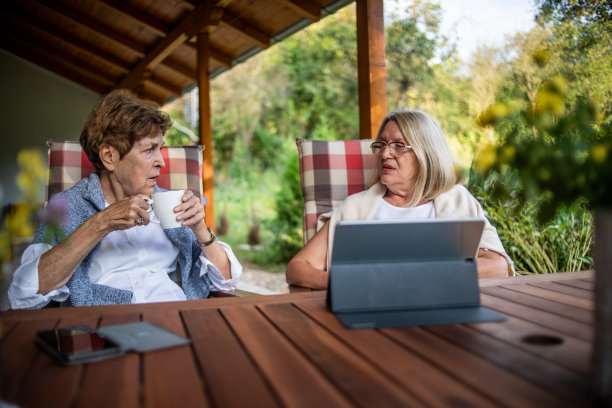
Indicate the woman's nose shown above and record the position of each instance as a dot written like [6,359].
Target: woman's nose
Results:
[386,151]
[159,159]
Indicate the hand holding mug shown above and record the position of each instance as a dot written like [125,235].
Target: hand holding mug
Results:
[177,208]
[164,203]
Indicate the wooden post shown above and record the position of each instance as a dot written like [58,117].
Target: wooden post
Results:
[602,348]
[372,76]
[205,127]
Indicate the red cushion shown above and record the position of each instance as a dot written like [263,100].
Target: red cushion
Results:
[68,164]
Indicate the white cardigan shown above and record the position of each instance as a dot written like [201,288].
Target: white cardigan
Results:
[454,203]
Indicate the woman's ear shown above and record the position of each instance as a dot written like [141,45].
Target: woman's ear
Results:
[109,156]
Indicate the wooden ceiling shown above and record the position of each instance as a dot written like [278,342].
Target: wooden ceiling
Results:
[148,45]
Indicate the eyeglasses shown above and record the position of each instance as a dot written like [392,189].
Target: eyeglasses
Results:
[397,148]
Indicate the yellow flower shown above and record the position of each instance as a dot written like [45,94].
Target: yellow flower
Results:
[551,96]
[485,158]
[540,57]
[599,153]
[507,154]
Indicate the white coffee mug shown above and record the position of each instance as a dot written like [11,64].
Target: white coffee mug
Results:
[163,203]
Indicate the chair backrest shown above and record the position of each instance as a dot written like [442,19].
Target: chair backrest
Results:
[329,172]
[69,164]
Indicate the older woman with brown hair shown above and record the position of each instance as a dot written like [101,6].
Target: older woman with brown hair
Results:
[417,180]
[109,251]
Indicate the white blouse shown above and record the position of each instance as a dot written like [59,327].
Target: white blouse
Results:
[138,259]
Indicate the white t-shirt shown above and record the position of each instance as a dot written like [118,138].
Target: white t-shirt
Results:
[386,211]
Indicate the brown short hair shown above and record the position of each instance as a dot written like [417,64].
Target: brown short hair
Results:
[120,120]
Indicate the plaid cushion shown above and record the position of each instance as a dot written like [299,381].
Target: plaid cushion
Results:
[69,164]
[330,171]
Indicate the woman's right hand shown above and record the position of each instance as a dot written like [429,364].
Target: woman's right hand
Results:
[56,266]
[122,214]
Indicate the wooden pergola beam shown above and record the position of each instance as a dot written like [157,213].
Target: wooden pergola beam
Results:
[54,63]
[35,25]
[137,16]
[372,76]
[305,8]
[187,28]
[92,25]
[252,33]
[181,68]
[219,56]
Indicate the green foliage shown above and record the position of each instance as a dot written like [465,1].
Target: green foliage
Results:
[564,160]
[562,244]
[176,137]
[574,10]
[287,226]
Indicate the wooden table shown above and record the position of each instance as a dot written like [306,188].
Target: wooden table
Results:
[288,350]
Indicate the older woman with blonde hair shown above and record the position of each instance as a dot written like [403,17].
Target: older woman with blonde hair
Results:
[416,180]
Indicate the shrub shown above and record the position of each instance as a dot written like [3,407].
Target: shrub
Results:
[561,244]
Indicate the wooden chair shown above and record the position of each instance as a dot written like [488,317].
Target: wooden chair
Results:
[69,164]
[329,172]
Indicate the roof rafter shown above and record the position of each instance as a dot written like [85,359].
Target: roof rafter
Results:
[54,63]
[82,46]
[305,8]
[94,26]
[181,68]
[253,33]
[222,58]
[187,28]
[136,15]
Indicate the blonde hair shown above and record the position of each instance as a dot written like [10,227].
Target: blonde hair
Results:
[436,173]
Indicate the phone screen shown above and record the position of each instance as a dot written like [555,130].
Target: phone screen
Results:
[78,344]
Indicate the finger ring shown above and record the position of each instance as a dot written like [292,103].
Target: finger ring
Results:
[140,222]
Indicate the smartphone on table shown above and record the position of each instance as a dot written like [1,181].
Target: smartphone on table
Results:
[77,344]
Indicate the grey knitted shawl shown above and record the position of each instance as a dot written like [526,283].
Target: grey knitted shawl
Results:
[84,200]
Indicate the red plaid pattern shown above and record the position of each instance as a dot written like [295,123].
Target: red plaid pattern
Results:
[330,171]
[69,164]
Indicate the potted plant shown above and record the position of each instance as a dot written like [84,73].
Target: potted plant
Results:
[562,154]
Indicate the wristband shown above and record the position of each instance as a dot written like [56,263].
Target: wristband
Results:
[207,243]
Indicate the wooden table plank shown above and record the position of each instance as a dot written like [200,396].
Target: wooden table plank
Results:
[570,353]
[568,290]
[551,378]
[347,369]
[516,280]
[574,328]
[295,380]
[477,372]
[170,376]
[17,354]
[537,303]
[201,304]
[579,283]
[407,369]
[6,326]
[46,375]
[231,376]
[119,374]
[554,296]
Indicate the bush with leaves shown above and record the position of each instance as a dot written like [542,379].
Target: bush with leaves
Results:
[286,227]
[562,244]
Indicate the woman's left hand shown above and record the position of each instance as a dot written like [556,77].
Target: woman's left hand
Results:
[193,212]
[193,217]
